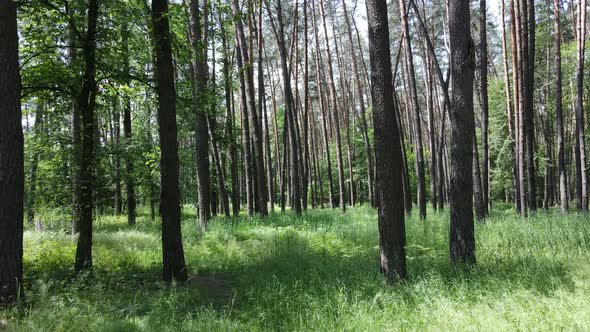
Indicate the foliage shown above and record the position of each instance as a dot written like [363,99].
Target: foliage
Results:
[316,272]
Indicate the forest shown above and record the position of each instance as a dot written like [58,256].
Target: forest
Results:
[300,165]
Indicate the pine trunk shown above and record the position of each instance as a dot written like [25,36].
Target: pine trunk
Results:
[12,160]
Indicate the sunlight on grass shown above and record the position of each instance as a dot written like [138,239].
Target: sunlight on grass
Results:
[316,272]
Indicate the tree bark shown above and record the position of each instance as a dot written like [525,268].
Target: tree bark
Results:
[289,109]
[323,106]
[580,148]
[477,183]
[116,142]
[387,146]
[529,26]
[485,174]
[199,108]
[229,124]
[462,239]
[253,117]
[12,160]
[564,203]
[509,106]
[410,73]
[335,114]
[86,104]
[263,110]
[31,194]
[127,130]
[172,250]
[363,111]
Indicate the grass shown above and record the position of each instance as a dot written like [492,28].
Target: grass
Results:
[316,272]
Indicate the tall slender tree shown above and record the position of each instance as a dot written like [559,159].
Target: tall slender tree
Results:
[172,251]
[335,113]
[413,101]
[483,77]
[199,107]
[564,203]
[127,130]
[509,106]
[462,239]
[278,31]
[362,107]
[258,162]
[388,154]
[11,159]
[580,148]
[86,104]
[528,31]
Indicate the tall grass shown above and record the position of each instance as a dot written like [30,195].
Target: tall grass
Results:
[315,272]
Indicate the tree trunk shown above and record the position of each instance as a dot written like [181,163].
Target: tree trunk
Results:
[410,73]
[215,145]
[247,148]
[564,203]
[485,174]
[258,154]
[334,101]
[518,106]
[129,176]
[199,108]
[462,239]
[86,105]
[509,106]
[116,142]
[363,112]
[580,149]
[529,26]
[323,106]
[477,183]
[12,160]
[263,110]
[172,251]
[229,124]
[405,169]
[289,109]
[31,194]
[388,154]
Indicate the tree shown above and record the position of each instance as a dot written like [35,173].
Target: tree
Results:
[323,107]
[11,159]
[258,154]
[277,28]
[559,111]
[483,72]
[172,250]
[364,126]
[462,240]
[580,148]
[229,124]
[528,31]
[517,78]
[127,130]
[335,114]
[413,101]
[31,194]
[509,106]
[199,106]
[85,107]
[388,155]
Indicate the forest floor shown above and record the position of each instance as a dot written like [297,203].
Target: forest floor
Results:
[317,272]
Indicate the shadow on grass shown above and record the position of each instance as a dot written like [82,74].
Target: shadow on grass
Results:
[289,275]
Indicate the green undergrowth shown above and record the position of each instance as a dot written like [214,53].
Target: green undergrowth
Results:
[318,272]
